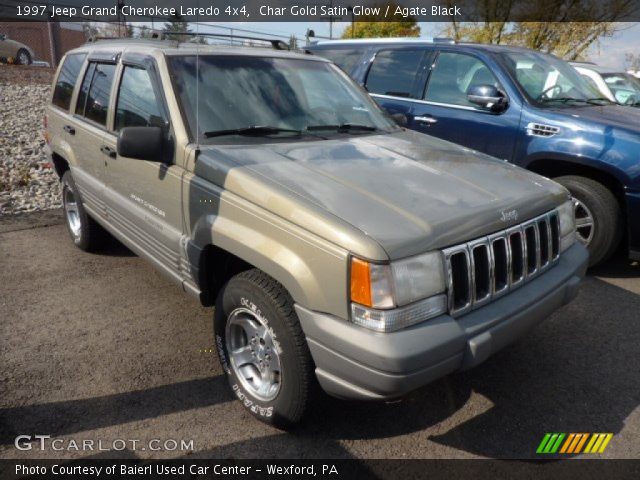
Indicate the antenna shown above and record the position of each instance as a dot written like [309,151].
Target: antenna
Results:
[197,83]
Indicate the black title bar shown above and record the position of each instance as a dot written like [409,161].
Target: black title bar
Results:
[321,10]
[320,469]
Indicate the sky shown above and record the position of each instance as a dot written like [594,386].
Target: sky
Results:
[609,51]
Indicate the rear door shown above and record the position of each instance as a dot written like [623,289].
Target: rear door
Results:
[60,118]
[144,197]
[444,111]
[89,127]
[395,76]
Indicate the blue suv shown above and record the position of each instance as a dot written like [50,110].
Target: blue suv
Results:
[518,105]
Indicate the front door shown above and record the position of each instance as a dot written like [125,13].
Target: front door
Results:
[444,110]
[144,197]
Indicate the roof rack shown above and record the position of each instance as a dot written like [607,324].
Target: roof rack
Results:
[275,44]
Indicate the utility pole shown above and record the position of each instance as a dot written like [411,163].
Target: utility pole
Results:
[331,19]
[121,21]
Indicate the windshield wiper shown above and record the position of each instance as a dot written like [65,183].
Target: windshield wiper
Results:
[598,99]
[256,130]
[563,99]
[343,127]
[591,101]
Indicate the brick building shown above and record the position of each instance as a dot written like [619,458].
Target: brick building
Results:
[49,40]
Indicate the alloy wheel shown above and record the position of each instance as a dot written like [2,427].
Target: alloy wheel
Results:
[254,358]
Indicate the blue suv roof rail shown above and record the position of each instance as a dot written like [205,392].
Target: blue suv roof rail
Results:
[444,40]
[349,41]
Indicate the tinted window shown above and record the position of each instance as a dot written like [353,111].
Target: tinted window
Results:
[453,76]
[394,72]
[344,58]
[93,99]
[137,103]
[84,89]
[219,93]
[67,80]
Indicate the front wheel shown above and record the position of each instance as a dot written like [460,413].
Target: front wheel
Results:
[262,348]
[599,223]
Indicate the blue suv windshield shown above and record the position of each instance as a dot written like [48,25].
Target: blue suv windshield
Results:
[549,81]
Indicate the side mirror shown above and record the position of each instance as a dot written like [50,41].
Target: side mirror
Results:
[400,119]
[487,96]
[142,143]
[3,36]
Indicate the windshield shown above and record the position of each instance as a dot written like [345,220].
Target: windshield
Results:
[549,81]
[624,87]
[270,97]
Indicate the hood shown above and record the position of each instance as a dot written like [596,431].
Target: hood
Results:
[617,116]
[408,192]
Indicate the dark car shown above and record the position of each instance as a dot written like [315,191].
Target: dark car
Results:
[519,105]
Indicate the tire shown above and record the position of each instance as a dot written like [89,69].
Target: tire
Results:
[23,57]
[85,232]
[254,314]
[594,200]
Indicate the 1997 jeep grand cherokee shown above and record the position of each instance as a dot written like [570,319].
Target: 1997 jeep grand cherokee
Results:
[334,244]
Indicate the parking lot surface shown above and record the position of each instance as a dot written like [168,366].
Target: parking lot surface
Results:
[102,347]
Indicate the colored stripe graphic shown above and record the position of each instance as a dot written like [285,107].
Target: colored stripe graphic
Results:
[553,443]
[581,443]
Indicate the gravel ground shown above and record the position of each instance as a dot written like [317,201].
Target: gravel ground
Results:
[102,347]
[28,181]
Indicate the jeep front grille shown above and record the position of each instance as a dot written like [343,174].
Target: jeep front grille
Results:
[484,269]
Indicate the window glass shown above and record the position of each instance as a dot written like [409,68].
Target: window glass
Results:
[394,72]
[99,93]
[592,83]
[624,87]
[346,59]
[220,92]
[84,89]
[137,103]
[67,80]
[549,81]
[453,76]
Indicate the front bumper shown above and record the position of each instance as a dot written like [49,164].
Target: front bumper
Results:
[356,363]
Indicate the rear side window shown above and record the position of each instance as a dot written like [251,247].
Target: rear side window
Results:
[67,80]
[394,72]
[93,98]
[137,102]
[345,58]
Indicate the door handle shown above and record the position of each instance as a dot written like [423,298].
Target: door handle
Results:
[69,129]
[428,120]
[110,152]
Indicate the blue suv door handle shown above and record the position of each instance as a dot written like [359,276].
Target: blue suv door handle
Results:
[429,120]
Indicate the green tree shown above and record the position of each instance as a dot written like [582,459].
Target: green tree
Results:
[632,61]
[177,26]
[553,34]
[371,26]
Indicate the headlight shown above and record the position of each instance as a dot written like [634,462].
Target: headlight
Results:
[414,284]
[567,215]
[418,277]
